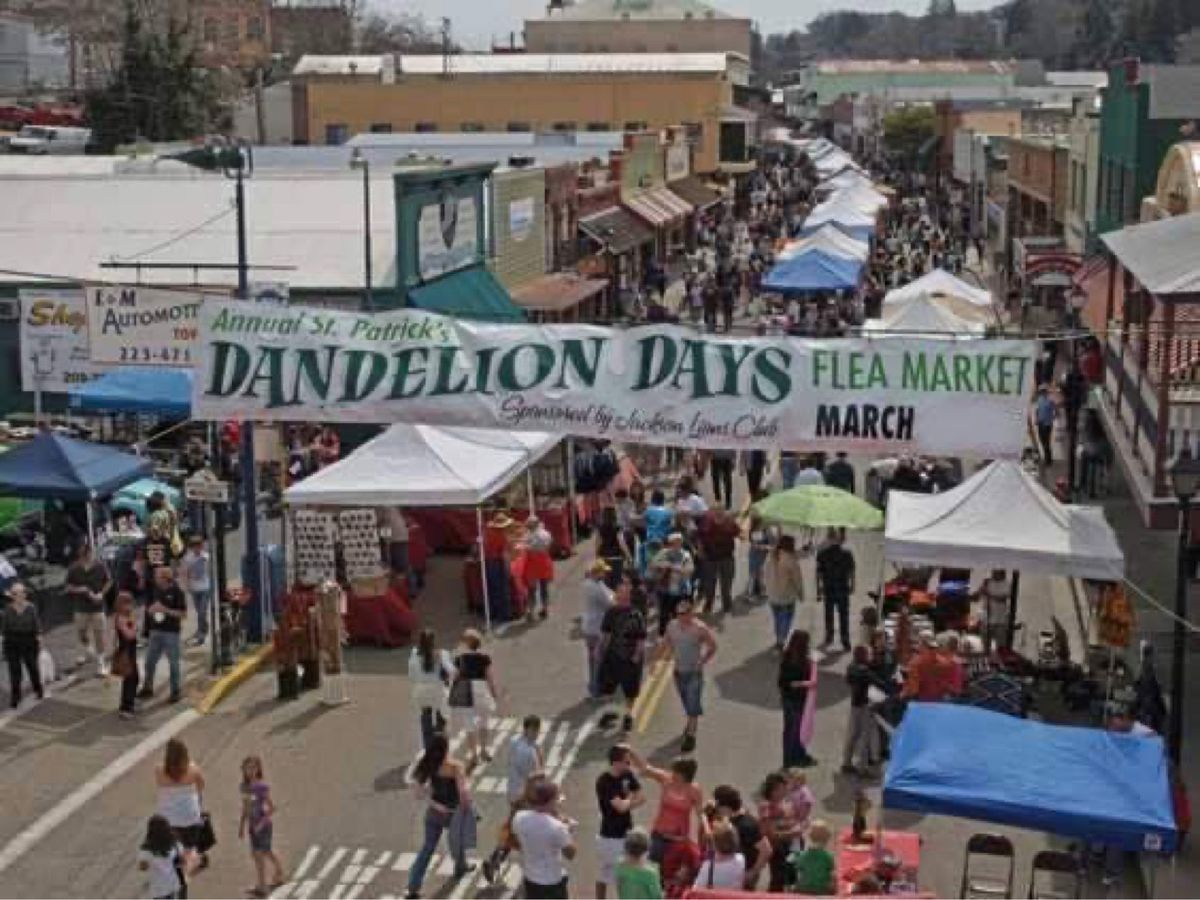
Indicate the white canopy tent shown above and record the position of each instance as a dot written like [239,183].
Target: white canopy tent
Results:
[850,178]
[1002,518]
[843,213]
[830,239]
[939,281]
[424,465]
[925,315]
[864,199]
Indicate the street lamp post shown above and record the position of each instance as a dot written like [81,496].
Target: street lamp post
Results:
[1185,479]
[1078,388]
[360,162]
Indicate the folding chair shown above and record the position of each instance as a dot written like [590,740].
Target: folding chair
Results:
[1053,863]
[993,881]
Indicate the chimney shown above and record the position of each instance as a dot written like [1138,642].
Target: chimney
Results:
[554,5]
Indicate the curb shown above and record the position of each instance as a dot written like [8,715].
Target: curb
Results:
[234,678]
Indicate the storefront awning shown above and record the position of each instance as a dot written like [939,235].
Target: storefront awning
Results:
[659,206]
[469,294]
[617,229]
[557,292]
[695,191]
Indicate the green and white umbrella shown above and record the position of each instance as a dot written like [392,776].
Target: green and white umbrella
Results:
[819,506]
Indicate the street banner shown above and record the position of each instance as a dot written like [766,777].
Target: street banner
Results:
[54,341]
[656,384]
[138,326]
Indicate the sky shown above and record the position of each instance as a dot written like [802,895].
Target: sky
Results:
[474,23]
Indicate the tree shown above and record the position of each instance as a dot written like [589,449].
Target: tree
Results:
[942,9]
[156,93]
[1098,34]
[402,33]
[906,130]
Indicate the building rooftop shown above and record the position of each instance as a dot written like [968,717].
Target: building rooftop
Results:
[387,66]
[606,10]
[311,224]
[894,66]
[1174,91]
[1161,255]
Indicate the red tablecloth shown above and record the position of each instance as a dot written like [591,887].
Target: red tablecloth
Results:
[384,621]
[905,845]
[455,529]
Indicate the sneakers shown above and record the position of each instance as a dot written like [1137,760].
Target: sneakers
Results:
[688,744]
[127,714]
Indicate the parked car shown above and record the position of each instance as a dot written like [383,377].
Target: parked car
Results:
[50,140]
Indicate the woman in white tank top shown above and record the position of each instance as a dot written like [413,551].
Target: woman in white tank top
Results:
[180,792]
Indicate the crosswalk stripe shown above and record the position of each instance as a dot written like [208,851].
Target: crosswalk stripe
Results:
[331,863]
[298,873]
[359,855]
[355,890]
[446,867]
[350,873]
[336,893]
[404,862]
[488,784]
[307,888]
[367,875]
[556,748]
[580,738]
[382,861]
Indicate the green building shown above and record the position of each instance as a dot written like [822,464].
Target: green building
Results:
[1143,111]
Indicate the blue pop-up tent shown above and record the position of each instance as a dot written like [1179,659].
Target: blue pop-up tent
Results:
[155,391]
[812,271]
[1081,783]
[53,466]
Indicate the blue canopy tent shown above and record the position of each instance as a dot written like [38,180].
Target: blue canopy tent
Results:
[53,466]
[1082,783]
[157,391]
[813,271]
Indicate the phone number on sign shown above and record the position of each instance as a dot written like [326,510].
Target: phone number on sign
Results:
[156,355]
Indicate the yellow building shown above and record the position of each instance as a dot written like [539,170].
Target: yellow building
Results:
[336,97]
[636,26]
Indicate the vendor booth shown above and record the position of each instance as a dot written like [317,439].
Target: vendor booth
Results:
[813,271]
[939,281]
[1033,532]
[1084,783]
[830,240]
[924,315]
[412,467]
[841,212]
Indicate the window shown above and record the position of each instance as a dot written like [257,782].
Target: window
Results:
[254,28]
[425,127]
[635,126]
[564,126]
[336,134]
[599,126]
[694,131]
[518,126]
[471,127]
[381,128]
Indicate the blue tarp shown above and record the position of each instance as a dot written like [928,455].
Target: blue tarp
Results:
[1081,783]
[811,271]
[53,466]
[156,391]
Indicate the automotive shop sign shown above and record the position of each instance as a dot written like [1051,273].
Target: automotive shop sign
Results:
[138,326]
[662,384]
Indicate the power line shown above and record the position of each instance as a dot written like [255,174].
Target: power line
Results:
[131,257]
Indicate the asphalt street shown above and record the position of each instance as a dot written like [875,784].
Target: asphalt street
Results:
[348,825]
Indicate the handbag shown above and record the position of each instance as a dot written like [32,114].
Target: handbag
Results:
[206,836]
[461,694]
[122,664]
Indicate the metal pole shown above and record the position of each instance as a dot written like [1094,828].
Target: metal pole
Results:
[529,489]
[91,526]
[1179,636]
[370,298]
[217,563]
[221,582]
[249,481]
[487,605]
[1012,609]
[571,491]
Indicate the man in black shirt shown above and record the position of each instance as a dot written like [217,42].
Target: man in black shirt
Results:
[87,583]
[622,649]
[835,584]
[165,615]
[840,474]
[618,793]
[755,846]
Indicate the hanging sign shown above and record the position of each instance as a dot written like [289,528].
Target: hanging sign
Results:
[54,341]
[663,385]
[446,235]
[139,326]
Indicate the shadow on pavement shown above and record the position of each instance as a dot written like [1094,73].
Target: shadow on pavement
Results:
[752,681]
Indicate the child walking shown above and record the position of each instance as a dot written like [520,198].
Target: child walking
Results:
[258,813]
[164,861]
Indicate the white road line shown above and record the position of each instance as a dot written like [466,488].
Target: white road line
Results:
[331,863]
[337,892]
[556,748]
[383,858]
[580,737]
[359,855]
[547,727]
[404,862]
[355,890]
[309,855]
[90,789]
[350,873]
[306,890]
[446,867]
[487,785]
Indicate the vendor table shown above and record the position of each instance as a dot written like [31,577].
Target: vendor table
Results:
[386,620]
[456,529]
[853,859]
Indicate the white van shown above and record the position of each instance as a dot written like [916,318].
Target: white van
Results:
[44,140]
